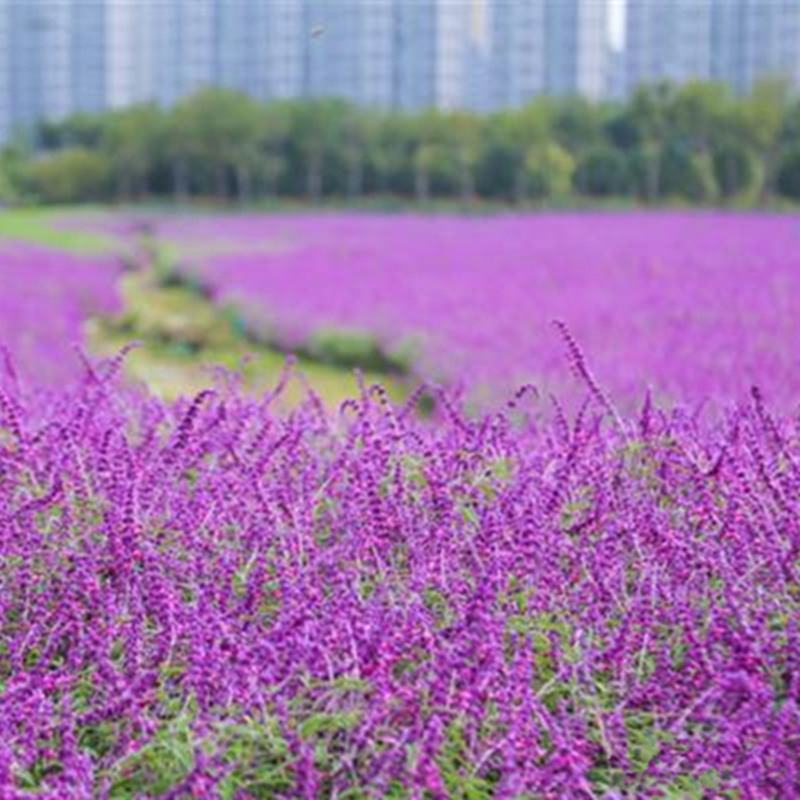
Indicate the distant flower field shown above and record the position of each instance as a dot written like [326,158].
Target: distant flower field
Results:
[577,589]
[46,296]
[698,305]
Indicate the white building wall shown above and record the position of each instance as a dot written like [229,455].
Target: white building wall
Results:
[452,28]
[517,65]
[350,50]
[416,34]
[668,40]
[283,54]
[592,50]
[6,121]
[576,47]
[771,41]
[376,54]
[88,23]
[140,36]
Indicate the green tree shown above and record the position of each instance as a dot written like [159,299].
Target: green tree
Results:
[317,133]
[430,150]
[788,176]
[7,189]
[14,161]
[735,170]
[391,152]
[132,138]
[577,124]
[696,142]
[359,132]
[217,130]
[464,137]
[761,124]
[72,175]
[273,137]
[602,172]
[648,113]
[549,169]
[523,133]
[685,176]
[699,115]
[82,129]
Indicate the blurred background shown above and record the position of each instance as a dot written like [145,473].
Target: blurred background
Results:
[174,154]
[550,100]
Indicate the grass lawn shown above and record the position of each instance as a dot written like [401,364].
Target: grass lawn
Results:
[39,226]
[184,336]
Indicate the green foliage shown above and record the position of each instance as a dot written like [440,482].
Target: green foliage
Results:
[256,756]
[165,760]
[316,147]
[602,172]
[7,193]
[687,175]
[459,772]
[351,347]
[575,123]
[216,132]
[735,169]
[134,138]
[549,169]
[695,142]
[328,723]
[74,175]
[789,175]
[78,130]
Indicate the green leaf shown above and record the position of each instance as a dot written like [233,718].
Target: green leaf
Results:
[329,723]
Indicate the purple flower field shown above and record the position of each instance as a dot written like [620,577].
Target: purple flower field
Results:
[591,594]
[46,297]
[698,305]
[206,600]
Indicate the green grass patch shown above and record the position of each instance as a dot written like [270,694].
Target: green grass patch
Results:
[352,347]
[184,336]
[40,226]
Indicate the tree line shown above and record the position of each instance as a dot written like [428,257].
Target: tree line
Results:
[695,143]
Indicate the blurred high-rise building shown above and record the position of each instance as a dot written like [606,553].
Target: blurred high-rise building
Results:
[5,72]
[555,47]
[518,62]
[62,56]
[157,50]
[260,47]
[349,50]
[53,59]
[87,67]
[754,39]
[735,41]
[69,55]
[441,52]
[477,57]
[188,57]
[161,50]
[668,40]
[133,44]
[577,47]
[416,43]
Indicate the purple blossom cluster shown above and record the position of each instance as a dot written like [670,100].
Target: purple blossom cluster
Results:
[209,599]
[46,296]
[700,305]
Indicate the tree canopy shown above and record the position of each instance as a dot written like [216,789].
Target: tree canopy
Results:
[691,143]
